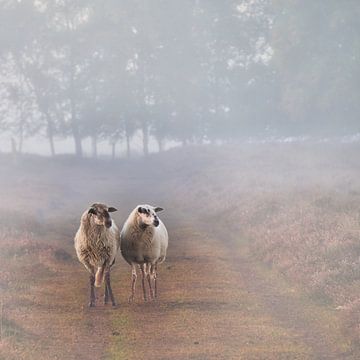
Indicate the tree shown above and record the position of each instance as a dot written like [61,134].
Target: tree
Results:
[316,56]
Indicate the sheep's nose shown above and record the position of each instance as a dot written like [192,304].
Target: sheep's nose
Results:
[108,223]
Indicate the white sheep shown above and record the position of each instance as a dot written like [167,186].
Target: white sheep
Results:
[97,242]
[144,241]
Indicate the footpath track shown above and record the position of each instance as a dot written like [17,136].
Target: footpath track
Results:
[217,303]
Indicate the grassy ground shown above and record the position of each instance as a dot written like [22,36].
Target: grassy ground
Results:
[262,263]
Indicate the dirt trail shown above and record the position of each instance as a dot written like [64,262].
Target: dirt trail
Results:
[215,304]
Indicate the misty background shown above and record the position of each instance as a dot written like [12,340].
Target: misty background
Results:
[131,77]
[249,110]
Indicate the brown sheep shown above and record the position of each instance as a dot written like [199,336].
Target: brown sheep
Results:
[97,242]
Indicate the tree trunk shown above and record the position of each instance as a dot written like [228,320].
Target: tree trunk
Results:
[128,148]
[113,150]
[13,149]
[13,146]
[50,134]
[75,130]
[21,140]
[52,146]
[160,144]
[74,124]
[21,132]
[77,139]
[94,146]
[145,131]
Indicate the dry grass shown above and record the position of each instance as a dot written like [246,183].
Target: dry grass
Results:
[299,209]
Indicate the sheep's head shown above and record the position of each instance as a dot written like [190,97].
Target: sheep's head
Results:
[146,215]
[100,214]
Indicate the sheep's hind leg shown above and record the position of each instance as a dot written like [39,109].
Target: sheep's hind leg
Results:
[106,295]
[143,273]
[109,289]
[92,290]
[133,282]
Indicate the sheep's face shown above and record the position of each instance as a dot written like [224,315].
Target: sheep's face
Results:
[100,214]
[147,215]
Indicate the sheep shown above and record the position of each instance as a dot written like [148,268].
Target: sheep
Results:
[97,242]
[144,241]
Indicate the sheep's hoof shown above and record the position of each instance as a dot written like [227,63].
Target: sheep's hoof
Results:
[91,304]
[114,304]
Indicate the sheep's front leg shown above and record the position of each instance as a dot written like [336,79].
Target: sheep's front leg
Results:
[143,273]
[133,282]
[92,290]
[150,277]
[109,289]
[154,270]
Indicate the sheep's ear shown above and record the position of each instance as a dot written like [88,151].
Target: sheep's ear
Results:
[92,211]
[158,209]
[141,210]
[112,209]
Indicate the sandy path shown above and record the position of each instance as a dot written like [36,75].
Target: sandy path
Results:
[215,304]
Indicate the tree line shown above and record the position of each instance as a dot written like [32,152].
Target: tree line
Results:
[186,71]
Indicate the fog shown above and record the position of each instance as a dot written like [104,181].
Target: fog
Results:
[240,119]
[132,73]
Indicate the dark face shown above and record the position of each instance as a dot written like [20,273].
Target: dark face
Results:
[100,214]
[147,216]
